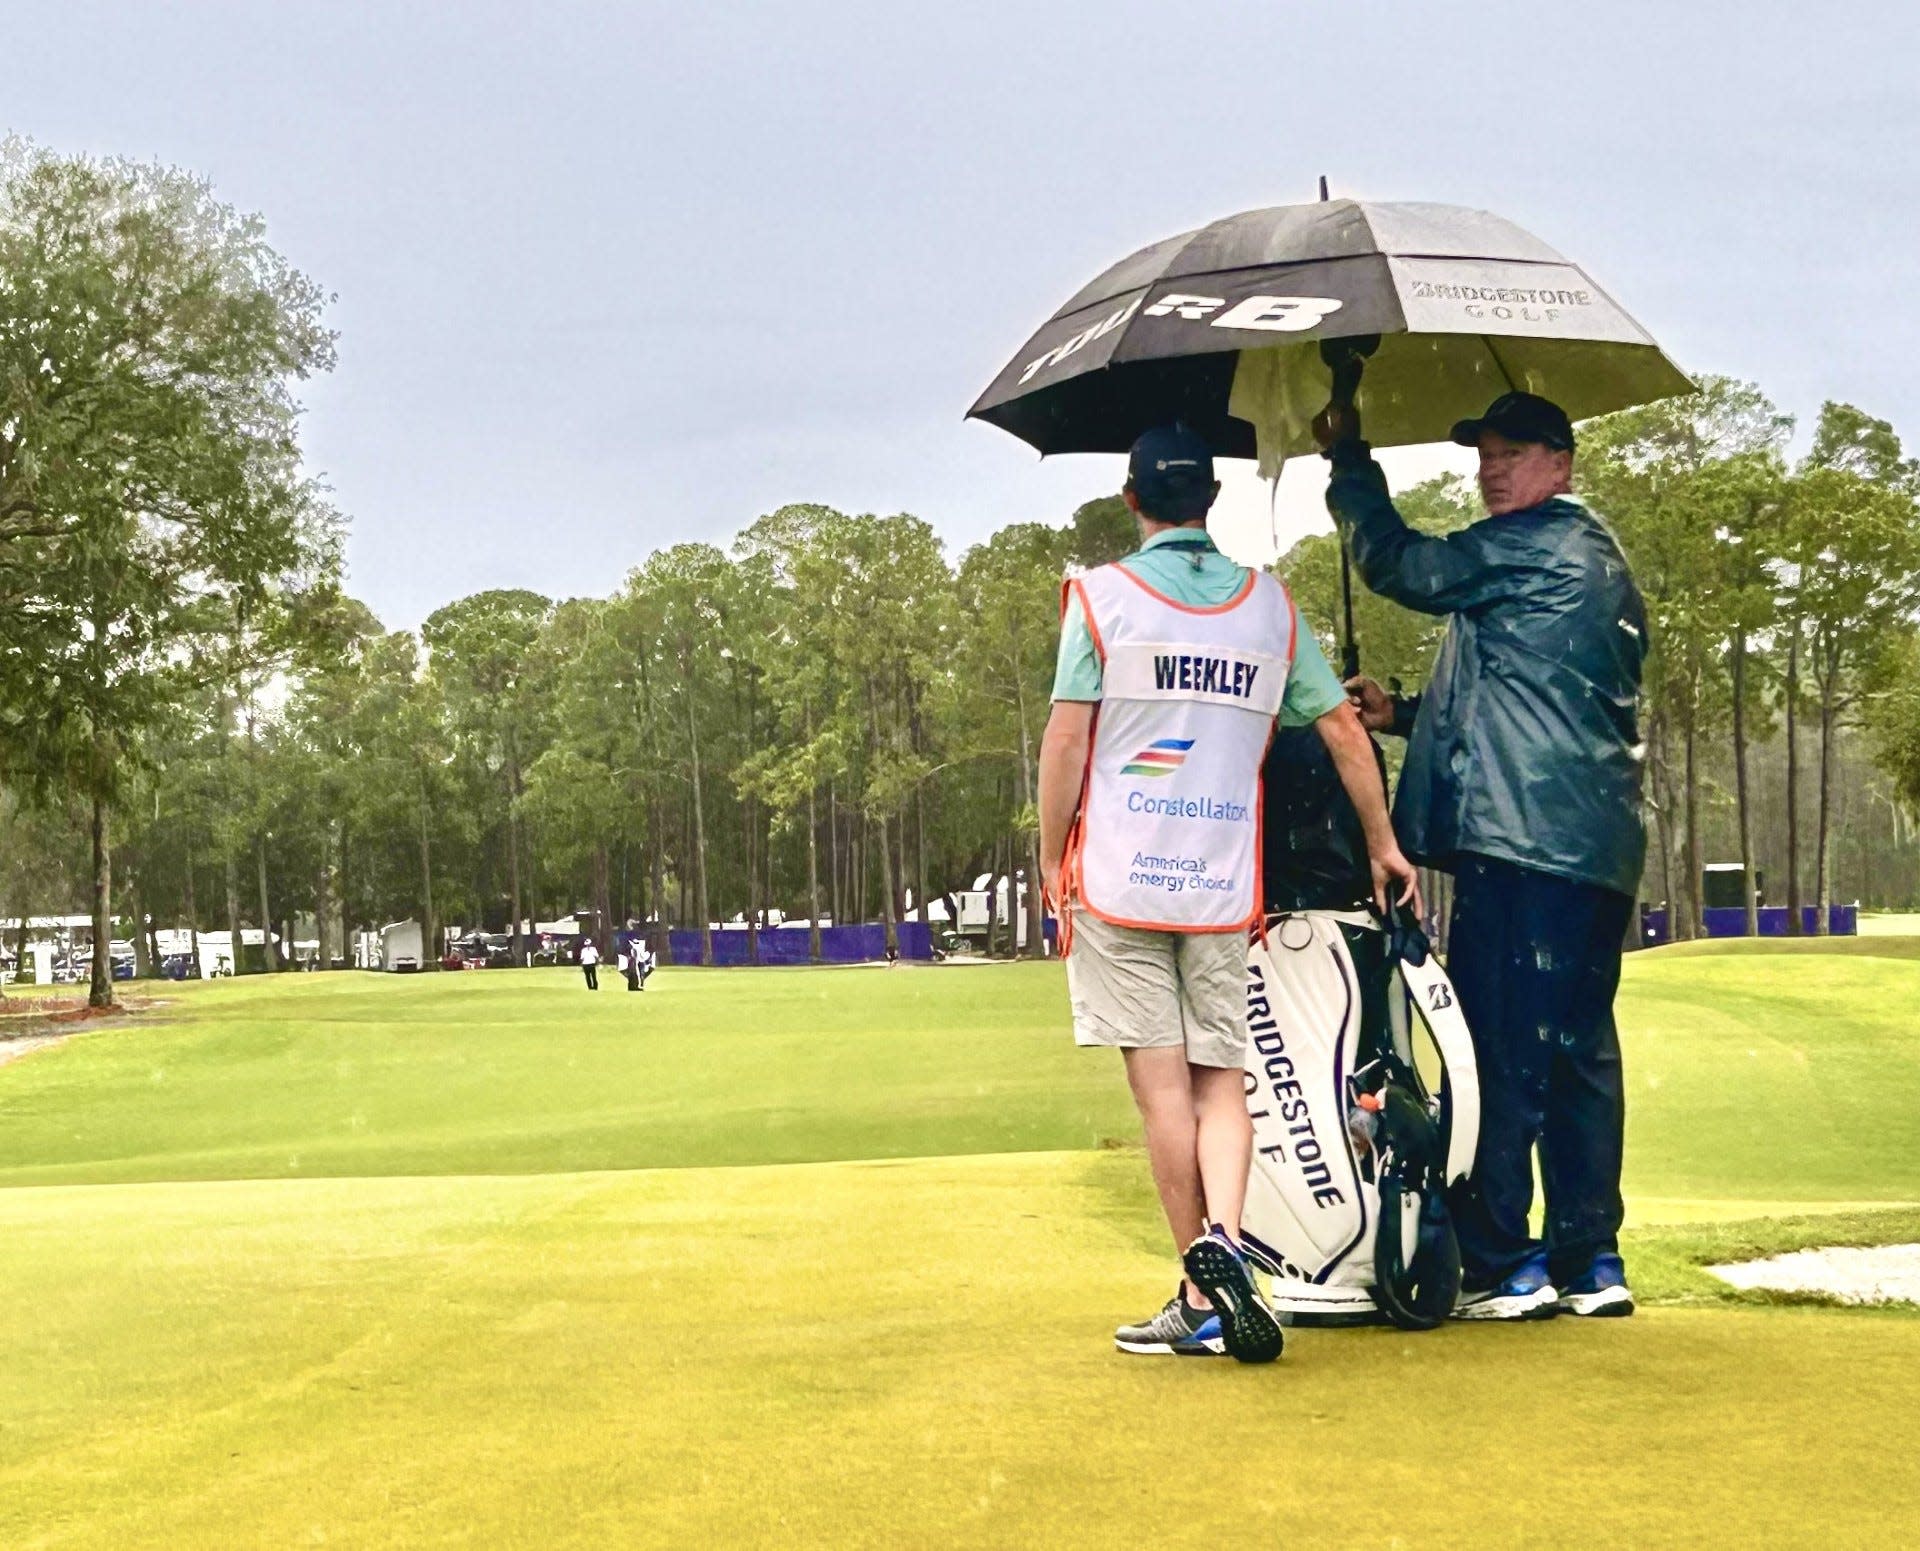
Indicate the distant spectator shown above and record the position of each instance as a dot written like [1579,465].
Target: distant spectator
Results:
[642,965]
[590,963]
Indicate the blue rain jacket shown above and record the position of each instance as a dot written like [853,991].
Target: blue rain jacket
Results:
[1527,744]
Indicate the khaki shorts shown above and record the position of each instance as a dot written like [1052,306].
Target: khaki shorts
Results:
[1140,989]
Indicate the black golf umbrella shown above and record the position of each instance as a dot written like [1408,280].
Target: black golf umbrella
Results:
[1223,327]
[1421,314]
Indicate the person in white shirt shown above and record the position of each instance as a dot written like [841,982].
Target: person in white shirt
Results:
[590,963]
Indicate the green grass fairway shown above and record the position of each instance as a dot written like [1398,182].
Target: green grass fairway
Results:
[1872,945]
[831,1258]
[528,1072]
[1791,1075]
[1769,1077]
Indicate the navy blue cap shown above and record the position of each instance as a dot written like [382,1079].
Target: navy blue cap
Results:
[1520,417]
[1170,469]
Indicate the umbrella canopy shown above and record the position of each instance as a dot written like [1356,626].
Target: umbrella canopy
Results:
[1220,327]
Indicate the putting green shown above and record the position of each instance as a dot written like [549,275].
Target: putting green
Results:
[830,1258]
[846,1355]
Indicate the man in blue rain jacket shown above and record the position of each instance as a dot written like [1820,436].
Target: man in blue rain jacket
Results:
[1522,779]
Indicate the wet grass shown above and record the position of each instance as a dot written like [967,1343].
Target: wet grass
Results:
[830,1258]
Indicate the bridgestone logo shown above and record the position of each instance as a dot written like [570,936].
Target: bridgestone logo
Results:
[1426,290]
[1281,1100]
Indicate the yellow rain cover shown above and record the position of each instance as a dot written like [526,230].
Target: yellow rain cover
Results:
[1278,392]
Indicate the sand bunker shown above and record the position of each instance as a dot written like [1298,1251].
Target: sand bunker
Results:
[1889,1273]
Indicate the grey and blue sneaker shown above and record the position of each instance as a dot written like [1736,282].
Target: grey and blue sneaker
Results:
[1249,1328]
[1527,1293]
[1599,1292]
[1178,1330]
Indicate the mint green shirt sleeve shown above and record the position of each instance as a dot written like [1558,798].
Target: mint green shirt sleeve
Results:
[1076,672]
[1312,689]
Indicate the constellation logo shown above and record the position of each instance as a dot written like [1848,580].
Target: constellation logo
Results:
[1159,759]
[1214,810]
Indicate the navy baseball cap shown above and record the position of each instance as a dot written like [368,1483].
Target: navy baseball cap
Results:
[1170,469]
[1520,417]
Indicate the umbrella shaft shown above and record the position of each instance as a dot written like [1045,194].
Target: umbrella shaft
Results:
[1349,650]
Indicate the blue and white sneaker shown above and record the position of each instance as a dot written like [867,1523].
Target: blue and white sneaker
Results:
[1249,1328]
[1178,1330]
[1599,1292]
[1526,1294]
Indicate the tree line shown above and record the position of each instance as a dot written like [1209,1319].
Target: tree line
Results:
[827,718]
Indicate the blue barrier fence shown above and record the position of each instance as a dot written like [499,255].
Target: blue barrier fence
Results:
[790,945]
[1842,921]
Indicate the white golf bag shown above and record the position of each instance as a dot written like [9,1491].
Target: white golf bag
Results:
[1353,1149]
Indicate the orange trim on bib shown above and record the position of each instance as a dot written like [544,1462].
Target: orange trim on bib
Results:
[1259,922]
[1086,613]
[1076,835]
[1163,926]
[1231,604]
[1293,612]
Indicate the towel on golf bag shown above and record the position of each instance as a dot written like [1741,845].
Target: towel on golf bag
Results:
[1346,1206]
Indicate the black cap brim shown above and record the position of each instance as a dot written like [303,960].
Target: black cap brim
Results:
[1467,433]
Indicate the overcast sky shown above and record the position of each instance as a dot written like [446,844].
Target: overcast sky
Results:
[614,276]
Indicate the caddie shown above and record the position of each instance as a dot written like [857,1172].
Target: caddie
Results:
[1174,663]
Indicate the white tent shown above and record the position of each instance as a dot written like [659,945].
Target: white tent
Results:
[216,950]
[1008,903]
[402,947]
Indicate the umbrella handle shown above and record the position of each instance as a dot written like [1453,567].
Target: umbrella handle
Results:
[1346,359]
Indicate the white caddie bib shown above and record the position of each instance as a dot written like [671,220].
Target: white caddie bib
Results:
[1169,830]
